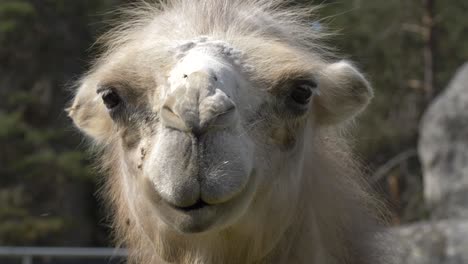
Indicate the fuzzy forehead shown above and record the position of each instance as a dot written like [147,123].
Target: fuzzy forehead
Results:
[264,63]
[173,20]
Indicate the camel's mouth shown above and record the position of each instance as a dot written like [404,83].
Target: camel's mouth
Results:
[196,218]
[200,204]
[203,216]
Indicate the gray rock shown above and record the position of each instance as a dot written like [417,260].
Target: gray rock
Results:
[444,242]
[443,150]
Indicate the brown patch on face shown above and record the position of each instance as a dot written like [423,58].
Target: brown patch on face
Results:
[130,137]
[283,137]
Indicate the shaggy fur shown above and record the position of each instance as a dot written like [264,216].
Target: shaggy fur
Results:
[328,218]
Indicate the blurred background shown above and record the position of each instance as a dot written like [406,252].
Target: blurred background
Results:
[409,49]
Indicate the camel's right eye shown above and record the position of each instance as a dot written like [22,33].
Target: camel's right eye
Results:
[110,97]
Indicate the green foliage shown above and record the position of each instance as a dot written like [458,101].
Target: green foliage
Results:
[11,12]
[32,170]
[18,225]
[385,39]
[43,175]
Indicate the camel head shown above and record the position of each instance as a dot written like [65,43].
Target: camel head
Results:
[205,132]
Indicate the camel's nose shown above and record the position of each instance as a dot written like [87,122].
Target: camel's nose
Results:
[198,105]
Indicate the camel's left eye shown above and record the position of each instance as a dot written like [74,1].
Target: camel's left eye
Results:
[110,97]
[302,92]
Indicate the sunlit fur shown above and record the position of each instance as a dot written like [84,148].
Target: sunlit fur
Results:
[331,215]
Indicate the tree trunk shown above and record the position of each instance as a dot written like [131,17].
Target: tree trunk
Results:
[429,48]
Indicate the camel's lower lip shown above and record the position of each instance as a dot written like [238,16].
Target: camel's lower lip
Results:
[196,218]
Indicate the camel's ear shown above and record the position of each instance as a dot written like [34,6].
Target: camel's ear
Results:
[343,93]
[90,114]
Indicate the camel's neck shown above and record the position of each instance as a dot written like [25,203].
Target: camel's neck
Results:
[275,240]
[300,243]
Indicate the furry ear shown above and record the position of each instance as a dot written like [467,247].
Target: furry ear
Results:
[89,113]
[343,93]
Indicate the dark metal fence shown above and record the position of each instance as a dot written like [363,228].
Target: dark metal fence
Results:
[58,255]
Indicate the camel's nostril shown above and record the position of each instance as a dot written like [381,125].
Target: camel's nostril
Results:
[230,108]
[172,119]
[167,108]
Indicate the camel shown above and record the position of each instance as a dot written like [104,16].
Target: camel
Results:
[221,126]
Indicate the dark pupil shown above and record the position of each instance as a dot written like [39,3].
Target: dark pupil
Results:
[111,99]
[301,94]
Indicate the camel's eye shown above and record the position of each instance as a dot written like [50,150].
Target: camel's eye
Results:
[110,97]
[299,94]
[302,92]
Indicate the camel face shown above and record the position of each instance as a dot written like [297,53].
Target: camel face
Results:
[217,137]
[198,138]
[201,163]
